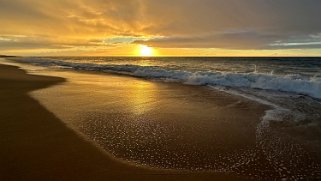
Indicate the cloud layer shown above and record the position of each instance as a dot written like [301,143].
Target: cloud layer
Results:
[226,24]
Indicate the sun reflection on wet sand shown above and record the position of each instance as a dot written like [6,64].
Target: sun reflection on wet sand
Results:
[141,95]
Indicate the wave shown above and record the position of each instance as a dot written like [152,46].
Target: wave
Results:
[310,86]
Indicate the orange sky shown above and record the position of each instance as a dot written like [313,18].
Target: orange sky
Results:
[169,27]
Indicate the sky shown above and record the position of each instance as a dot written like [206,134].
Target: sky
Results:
[167,27]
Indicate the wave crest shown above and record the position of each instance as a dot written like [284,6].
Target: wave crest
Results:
[287,83]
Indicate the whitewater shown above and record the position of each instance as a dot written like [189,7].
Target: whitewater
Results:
[294,75]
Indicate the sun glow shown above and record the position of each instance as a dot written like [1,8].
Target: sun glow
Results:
[146,51]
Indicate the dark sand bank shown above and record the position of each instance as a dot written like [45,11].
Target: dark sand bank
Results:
[36,145]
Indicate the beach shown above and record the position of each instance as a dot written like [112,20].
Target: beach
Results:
[72,123]
[37,145]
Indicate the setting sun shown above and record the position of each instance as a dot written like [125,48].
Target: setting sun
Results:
[145,51]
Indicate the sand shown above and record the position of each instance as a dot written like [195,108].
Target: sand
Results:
[37,145]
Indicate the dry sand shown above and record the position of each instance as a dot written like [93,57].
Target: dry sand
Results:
[36,145]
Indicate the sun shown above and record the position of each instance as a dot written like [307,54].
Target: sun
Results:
[146,51]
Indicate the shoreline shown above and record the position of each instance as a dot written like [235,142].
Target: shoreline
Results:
[184,131]
[37,145]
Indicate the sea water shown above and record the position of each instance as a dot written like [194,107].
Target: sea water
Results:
[297,75]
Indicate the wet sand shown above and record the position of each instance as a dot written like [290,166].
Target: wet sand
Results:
[163,125]
[37,145]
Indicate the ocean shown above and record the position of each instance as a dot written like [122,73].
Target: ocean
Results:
[274,81]
[297,75]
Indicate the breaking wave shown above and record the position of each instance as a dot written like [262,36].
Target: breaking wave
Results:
[310,86]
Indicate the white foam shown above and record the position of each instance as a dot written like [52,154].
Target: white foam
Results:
[275,113]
